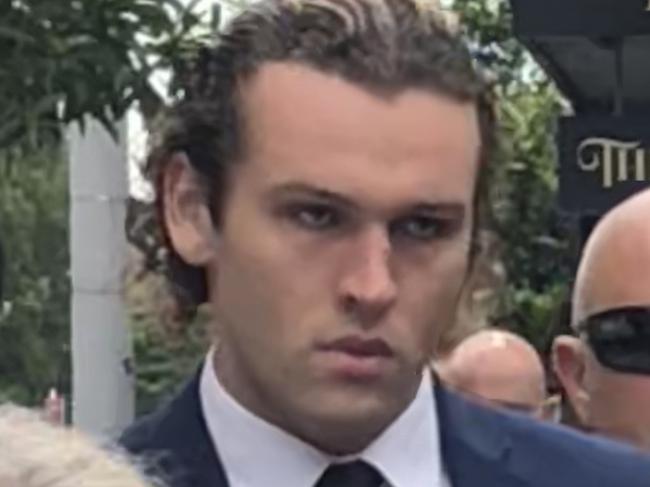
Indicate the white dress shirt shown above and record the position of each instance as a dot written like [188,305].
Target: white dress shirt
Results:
[256,453]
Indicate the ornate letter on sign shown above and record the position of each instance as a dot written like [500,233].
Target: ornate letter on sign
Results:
[613,157]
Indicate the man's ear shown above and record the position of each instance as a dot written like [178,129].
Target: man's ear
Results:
[568,358]
[186,212]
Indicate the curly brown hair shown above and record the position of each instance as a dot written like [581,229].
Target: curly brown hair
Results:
[386,46]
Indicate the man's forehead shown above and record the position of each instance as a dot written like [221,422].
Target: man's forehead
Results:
[282,81]
[615,267]
[294,100]
[314,127]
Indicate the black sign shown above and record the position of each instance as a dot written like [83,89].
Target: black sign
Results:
[603,160]
[584,18]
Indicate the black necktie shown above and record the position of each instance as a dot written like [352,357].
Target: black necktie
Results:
[351,474]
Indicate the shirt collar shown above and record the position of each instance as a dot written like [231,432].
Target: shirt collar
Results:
[407,453]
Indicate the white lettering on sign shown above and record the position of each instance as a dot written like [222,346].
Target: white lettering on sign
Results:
[618,161]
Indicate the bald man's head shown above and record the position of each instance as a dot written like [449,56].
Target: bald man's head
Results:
[615,267]
[613,275]
[498,367]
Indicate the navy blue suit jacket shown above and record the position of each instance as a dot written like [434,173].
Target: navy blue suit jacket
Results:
[480,448]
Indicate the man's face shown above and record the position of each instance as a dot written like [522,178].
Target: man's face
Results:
[342,250]
[511,389]
[496,368]
[617,404]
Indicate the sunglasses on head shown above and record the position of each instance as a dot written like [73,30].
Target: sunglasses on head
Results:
[620,338]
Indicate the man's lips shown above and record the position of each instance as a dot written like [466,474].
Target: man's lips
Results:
[357,358]
[359,347]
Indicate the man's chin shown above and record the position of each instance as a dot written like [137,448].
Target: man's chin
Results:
[354,411]
[345,430]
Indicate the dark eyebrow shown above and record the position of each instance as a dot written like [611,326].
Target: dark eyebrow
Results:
[452,209]
[455,210]
[306,190]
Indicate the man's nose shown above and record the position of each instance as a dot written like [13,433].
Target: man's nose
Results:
[367,287]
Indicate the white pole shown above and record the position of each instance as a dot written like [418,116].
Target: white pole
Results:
[103,385]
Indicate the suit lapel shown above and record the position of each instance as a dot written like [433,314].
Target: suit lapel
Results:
[475,448]
[184,433]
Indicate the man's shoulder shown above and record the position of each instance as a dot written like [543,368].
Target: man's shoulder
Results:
[154,440]
[146,432]
[542,454]
[169,425]
[539,454]
[173,443]
[595,460]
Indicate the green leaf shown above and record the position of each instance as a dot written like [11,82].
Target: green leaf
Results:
[16,35]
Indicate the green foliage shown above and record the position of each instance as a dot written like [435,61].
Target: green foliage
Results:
[536,250]
[35,314]
[534,244]
[164,360]
[487,24]
[64,60]
[34,322]
[166,353]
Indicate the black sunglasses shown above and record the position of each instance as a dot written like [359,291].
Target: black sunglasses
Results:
[620,338]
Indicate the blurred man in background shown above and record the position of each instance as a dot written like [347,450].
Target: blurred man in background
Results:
[605,370]
[499,368]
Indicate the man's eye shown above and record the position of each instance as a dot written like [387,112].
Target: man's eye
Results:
[315,217]
[421,228]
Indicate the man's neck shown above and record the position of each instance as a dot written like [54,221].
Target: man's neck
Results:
[335,436]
